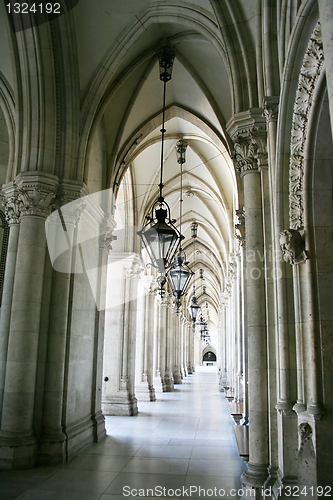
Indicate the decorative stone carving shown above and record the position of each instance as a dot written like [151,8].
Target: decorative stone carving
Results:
[72,213]
[134,272]
[232,268]
[311,68]
[271,108]
[240,227]
[305,432]
[106,239]
[292,246]
[31,199]
[36,201]
[306,449]
[244,154]
[13,206]
[106,233]
[153,288]
[249,149]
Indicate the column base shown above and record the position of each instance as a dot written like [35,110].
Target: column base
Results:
[152,393]
[168,384]
[52,450]
[177,378]
[189,369]
[17,452]
[99,426]
[255,477]
[145,392]
[125,406]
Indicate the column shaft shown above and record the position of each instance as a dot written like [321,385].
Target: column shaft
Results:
[6,304]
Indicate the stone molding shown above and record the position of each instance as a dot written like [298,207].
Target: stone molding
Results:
[311,69]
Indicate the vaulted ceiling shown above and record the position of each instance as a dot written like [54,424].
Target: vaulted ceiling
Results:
[121,100]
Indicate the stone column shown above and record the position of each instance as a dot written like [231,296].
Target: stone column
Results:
[283,425]
[238,311]
[181,346]
[105,248]
[162,321]
[177,376]
[156,343]
[188,349]
[144,388]
[223,353]
[13,211]
[120,331]
[192,346]
[168,353]
[249,143]
[184,345]
[150,338]
[18,443]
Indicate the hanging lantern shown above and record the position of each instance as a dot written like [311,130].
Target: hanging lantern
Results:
[166,57]
[181,151]
[193,309]
[160,237]
[179,277]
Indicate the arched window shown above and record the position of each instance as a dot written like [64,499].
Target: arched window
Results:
[4,232]
[209,356]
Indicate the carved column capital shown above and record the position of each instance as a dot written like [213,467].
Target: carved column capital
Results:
[249,150]
[30,194]
[106,233]
[36,201]
[271,108]
[134,272]
[12,203]
[153,288]
[247,130]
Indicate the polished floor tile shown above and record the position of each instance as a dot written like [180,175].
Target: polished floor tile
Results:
[181,444]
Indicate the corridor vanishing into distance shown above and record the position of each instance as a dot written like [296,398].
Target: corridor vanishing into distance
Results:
[184,439]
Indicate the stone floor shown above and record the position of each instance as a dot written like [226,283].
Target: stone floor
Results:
[182,442]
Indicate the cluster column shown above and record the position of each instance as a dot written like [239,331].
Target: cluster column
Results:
[249,142]
[18,443]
